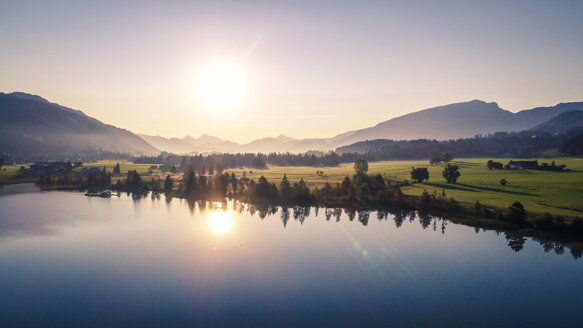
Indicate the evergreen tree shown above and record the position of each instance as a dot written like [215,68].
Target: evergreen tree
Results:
[517,213]
[168,183]
[155,185]
[116,169]
[301,193]
[189,181]
[285,190]
[234,183]
[263,191]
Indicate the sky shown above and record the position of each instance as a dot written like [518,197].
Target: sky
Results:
[311,68]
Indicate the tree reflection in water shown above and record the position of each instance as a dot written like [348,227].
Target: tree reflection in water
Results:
[363,217]
[516,239]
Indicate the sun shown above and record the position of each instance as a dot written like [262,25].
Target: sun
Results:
[221,85]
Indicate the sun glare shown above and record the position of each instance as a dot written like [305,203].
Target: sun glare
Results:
[221,85]
[221,222]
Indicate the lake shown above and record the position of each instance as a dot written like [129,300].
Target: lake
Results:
[71,260]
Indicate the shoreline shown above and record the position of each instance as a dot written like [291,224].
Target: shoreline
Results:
[448,209]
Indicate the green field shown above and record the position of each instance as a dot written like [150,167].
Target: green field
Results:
[124,167]
[10,174]
[539,191]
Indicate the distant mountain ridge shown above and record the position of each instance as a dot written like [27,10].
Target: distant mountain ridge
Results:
[457,120]
[562,122]
[452,121]
[30,124]
[188,144]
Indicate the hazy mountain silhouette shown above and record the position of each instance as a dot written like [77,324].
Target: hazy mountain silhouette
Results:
[30,125]
[563,122]
[171,145]
[451,121]
[188,144]
[456,121]
[206,143]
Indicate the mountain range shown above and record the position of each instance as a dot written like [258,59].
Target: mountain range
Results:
[452,121]
[567,121]
[30,124]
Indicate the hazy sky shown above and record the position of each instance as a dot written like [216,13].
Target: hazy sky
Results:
[313,68]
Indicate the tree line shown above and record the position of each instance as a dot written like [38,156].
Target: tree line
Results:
[500,144]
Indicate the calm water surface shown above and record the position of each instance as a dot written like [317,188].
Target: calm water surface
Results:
[71,260]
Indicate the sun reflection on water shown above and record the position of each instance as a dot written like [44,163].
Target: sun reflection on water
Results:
[221,222]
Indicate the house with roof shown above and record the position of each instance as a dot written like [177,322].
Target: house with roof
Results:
[523,165]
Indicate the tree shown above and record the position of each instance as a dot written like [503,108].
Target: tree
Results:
[219,168]
[168,183]
[477,207]
[379,180]
[285,189]
[155,184]
[221,183]
[133,182]
[189,181]
[326,191]
[451,173]
[419,174]
[503,182]
[490,164]
[346,185]
[233,181]
[573,146]
[360,166]
[515,240]
[264,191]
[517,213]
[258,163]
[301,192]
[116,169]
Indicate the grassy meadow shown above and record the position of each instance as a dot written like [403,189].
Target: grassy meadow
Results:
[558,193]
[10,174]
